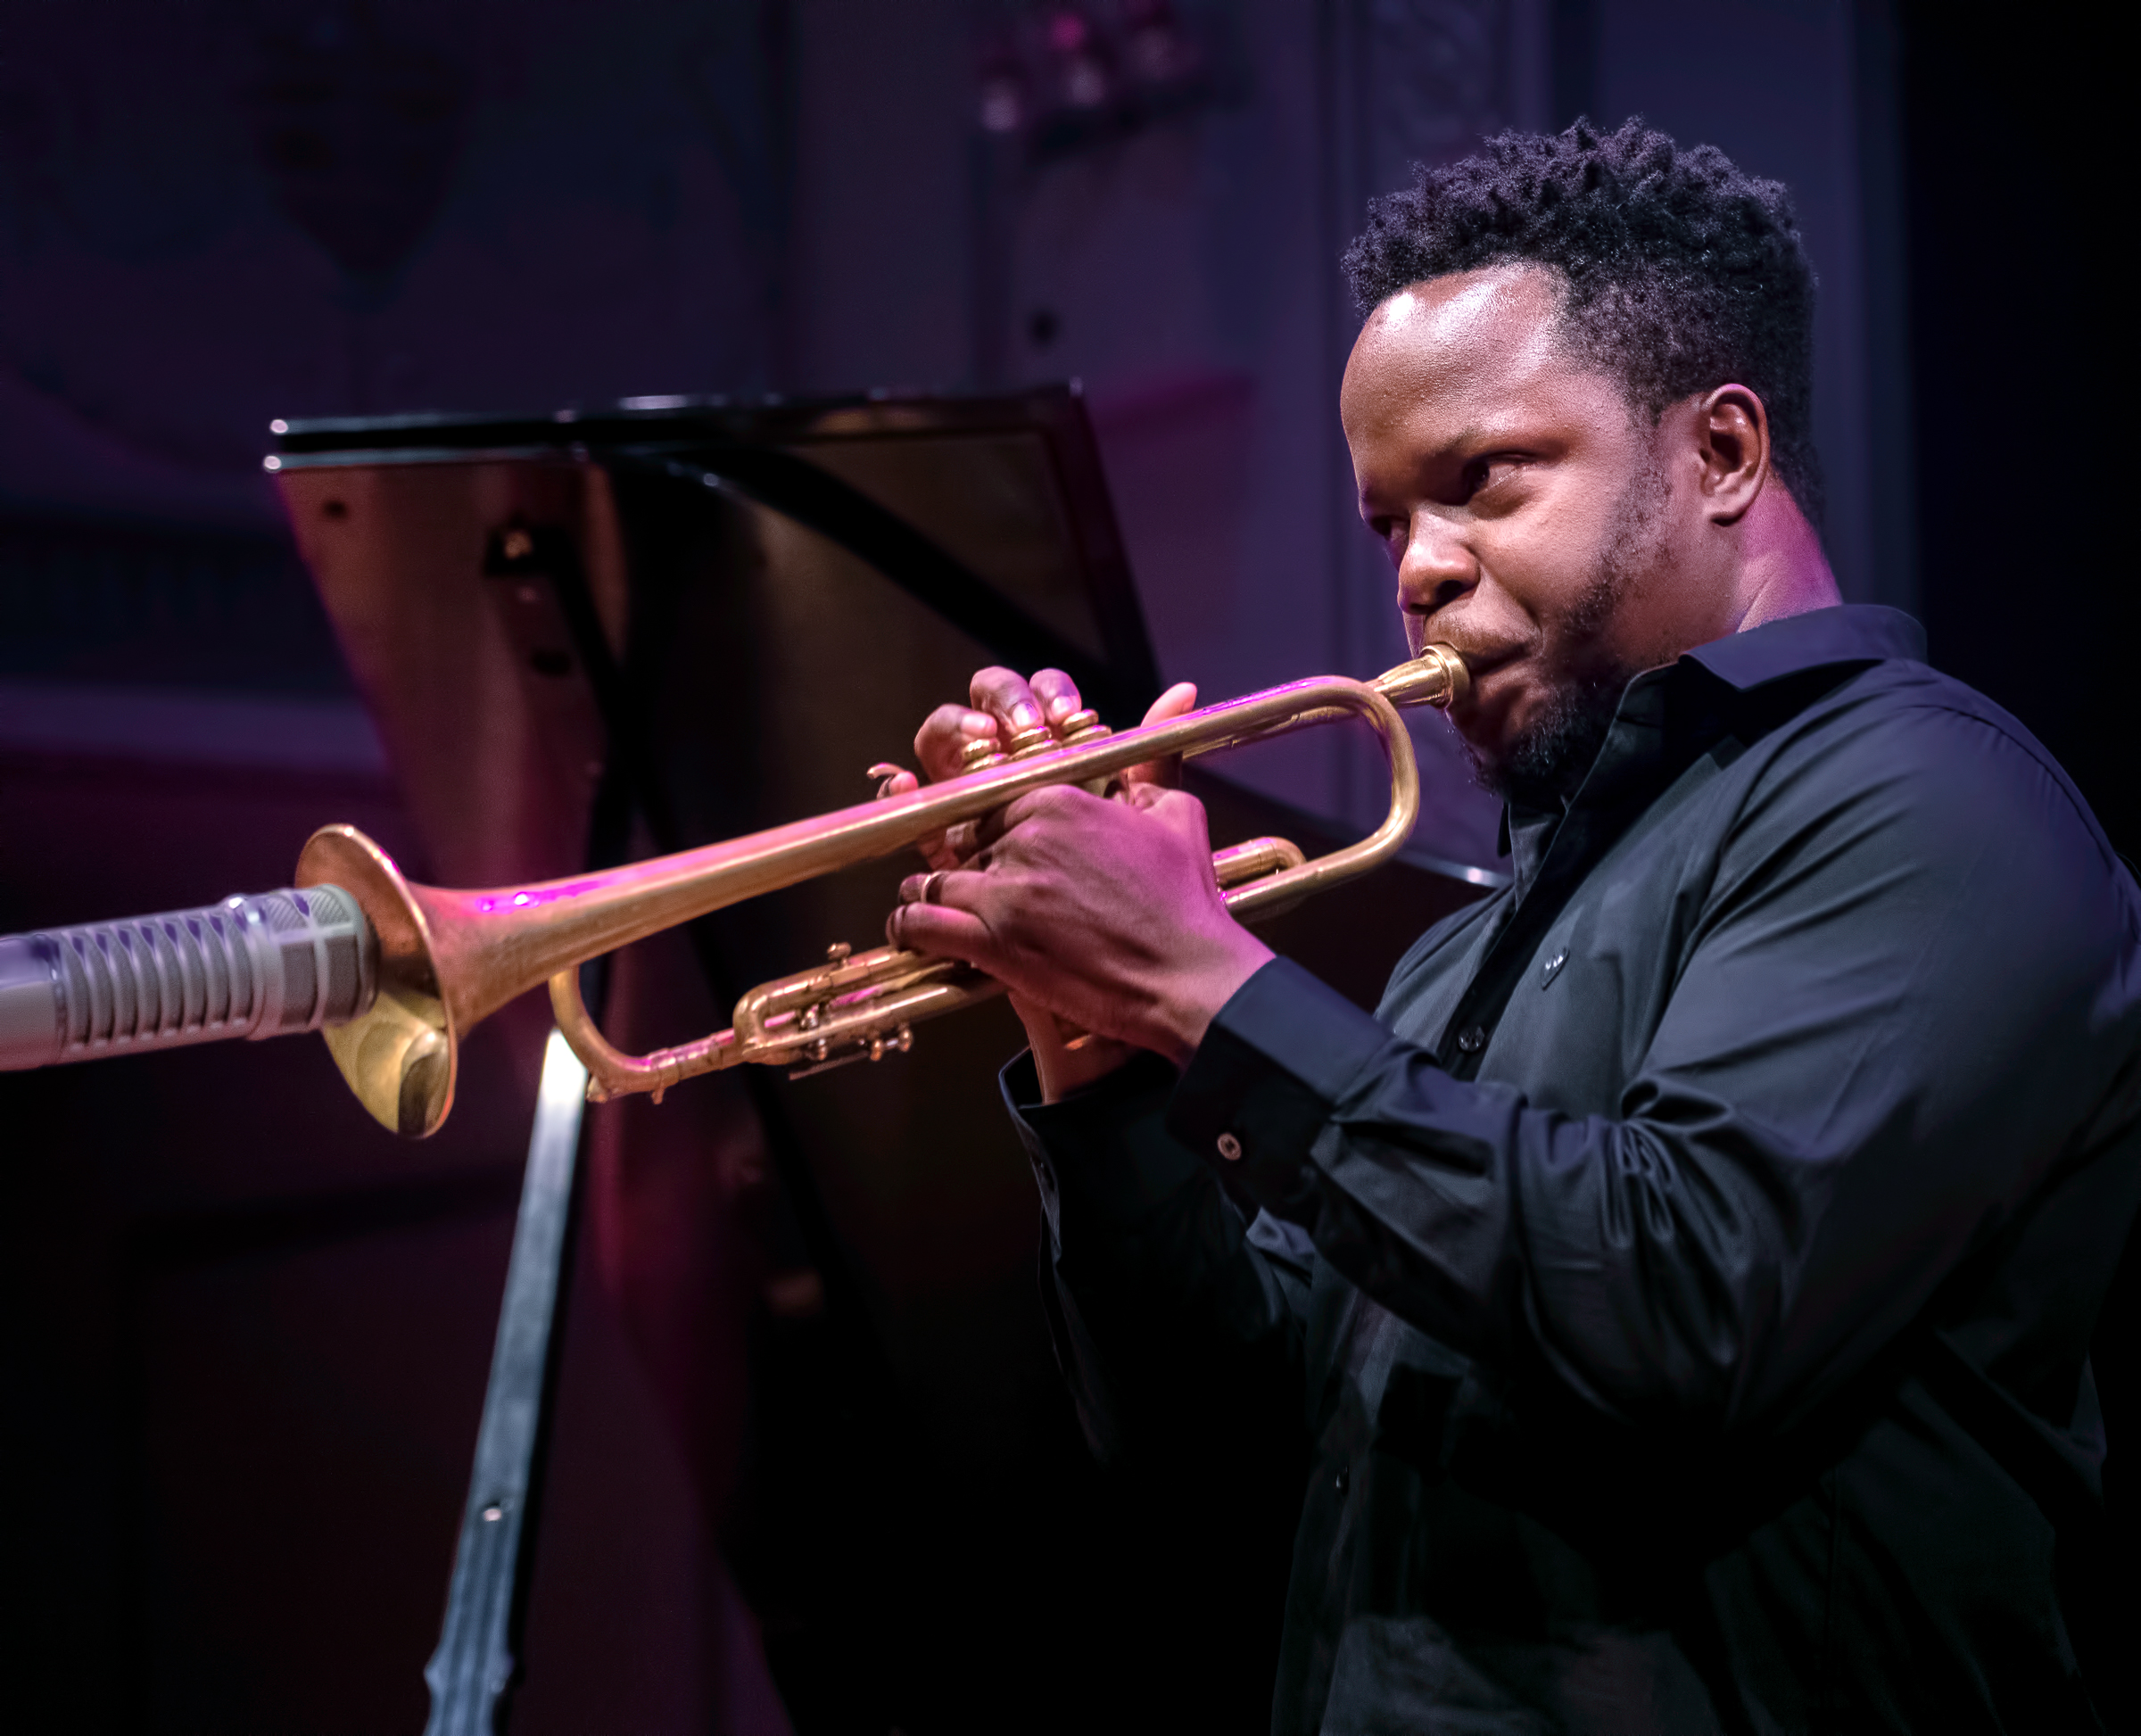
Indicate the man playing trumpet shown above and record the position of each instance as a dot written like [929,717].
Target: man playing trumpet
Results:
[1689,1274]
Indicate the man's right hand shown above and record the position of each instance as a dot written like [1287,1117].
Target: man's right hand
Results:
[1001,703]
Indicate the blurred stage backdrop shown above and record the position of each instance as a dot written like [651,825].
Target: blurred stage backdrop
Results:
[245,1334]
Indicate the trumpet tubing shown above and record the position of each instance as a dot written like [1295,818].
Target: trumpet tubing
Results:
[439,961]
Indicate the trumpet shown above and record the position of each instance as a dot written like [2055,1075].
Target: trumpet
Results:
[395,974]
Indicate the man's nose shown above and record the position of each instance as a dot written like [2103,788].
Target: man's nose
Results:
[1437,568]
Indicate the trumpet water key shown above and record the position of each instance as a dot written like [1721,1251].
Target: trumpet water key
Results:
[394,974]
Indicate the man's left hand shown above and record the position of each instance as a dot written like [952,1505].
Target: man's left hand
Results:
[1107,912]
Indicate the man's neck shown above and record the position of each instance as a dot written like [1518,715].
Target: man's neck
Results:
[1782,568]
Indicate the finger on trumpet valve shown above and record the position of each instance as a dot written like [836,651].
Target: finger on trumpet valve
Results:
[980,754]
[1024,744]
[1080,729]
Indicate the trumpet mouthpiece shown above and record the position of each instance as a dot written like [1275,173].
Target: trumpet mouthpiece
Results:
[1436,677]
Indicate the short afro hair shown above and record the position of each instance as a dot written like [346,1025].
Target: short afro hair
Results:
[1683,272]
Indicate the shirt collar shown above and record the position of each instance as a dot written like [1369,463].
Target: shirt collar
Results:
[1849,633]
[1635,745]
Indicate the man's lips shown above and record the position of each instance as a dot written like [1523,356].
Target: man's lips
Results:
[1480,657]
[1496,683]
[1481,661]
[1488,660]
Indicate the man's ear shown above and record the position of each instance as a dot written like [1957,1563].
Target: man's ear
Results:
[1731,431]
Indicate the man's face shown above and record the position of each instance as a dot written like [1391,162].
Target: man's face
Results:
[1537,524]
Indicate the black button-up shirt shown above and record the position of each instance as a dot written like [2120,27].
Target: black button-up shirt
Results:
[1687,1276]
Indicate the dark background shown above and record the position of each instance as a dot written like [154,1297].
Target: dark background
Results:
[244,1334]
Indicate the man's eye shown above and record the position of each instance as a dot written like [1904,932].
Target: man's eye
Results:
[1480,473]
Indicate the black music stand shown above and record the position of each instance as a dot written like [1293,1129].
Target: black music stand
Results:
[891,481]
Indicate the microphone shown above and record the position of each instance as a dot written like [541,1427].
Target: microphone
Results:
[264,965]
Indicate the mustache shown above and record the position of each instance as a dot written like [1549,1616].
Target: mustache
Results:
[1421,630]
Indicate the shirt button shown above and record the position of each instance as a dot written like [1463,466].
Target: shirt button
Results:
[1472,1039]
[1342,1481]
[1230,1148]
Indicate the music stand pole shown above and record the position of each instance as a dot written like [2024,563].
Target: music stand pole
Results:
[473,1667]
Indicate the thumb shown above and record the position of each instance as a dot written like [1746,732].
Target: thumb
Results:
[1181,698]
[1178,701]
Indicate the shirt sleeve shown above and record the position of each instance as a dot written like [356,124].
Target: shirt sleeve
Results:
[1175,1318]
[1911,977]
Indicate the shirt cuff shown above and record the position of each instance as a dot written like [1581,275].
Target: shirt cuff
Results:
[1265,1081]
[1102,1154]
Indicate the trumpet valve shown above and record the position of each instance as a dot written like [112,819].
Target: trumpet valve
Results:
[1081,727]
[1025,744]
[980,754]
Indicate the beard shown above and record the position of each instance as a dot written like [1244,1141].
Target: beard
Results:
[1547,761]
